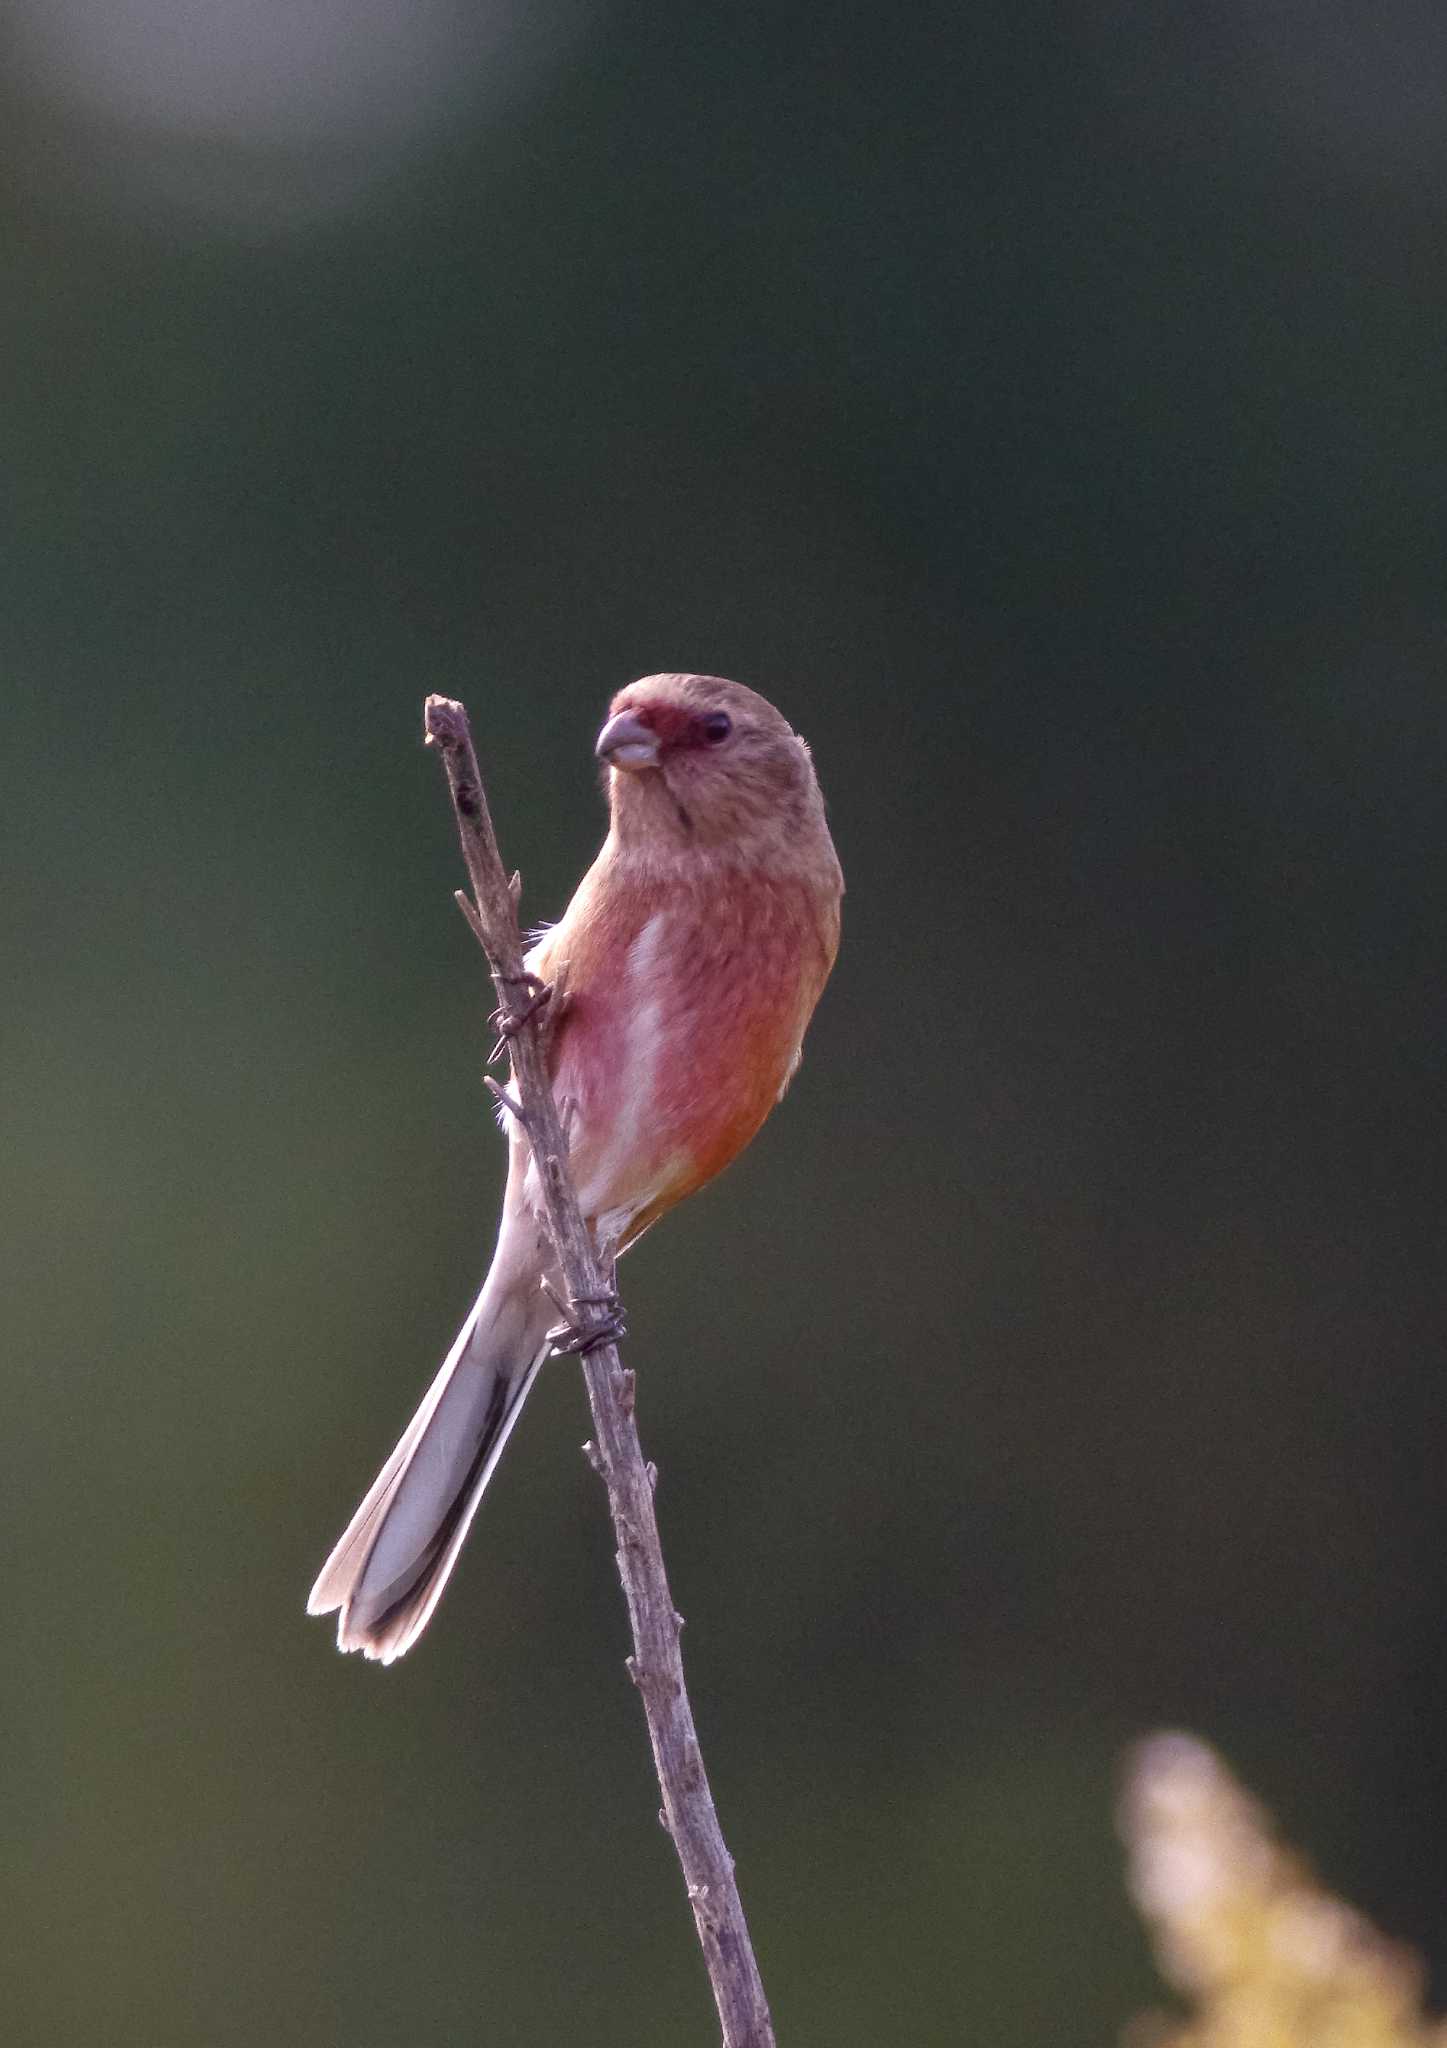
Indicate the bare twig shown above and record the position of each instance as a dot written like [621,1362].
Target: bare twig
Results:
[656,1666]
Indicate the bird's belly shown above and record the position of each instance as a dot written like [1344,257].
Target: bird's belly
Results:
[672,1098]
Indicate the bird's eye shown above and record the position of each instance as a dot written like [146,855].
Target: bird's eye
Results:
[716,727]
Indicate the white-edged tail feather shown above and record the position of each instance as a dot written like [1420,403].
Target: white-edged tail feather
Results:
[388,1570]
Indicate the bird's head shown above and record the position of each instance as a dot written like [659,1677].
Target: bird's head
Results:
[702,762]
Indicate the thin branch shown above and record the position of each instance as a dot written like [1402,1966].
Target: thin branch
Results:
[656,1666]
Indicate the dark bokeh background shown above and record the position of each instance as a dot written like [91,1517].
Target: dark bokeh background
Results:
[1044,405]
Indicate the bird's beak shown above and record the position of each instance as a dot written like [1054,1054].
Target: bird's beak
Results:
[626,742]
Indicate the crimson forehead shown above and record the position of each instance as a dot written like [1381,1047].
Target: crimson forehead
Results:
[666,717]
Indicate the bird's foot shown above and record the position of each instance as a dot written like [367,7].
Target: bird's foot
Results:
[590,1321]
[509,1021]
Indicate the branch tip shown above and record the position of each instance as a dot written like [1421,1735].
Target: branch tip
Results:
[444,722]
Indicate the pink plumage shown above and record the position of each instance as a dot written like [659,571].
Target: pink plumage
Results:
[690,959]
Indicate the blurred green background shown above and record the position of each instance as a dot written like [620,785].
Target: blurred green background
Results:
[1045,406]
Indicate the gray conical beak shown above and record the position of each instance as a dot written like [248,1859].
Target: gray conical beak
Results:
[626,742]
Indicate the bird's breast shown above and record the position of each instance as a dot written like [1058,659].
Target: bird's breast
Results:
[682,1028]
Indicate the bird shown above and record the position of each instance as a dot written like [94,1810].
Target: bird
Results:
[689,963]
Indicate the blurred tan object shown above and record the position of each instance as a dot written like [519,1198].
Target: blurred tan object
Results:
[1265,1956]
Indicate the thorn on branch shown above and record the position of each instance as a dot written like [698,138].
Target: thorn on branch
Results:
[509,1103]
[474,923]
[594,1456]
[652,1470]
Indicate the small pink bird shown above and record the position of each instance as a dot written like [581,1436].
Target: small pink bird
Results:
[692,957]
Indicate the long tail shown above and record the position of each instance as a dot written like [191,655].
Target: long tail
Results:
[388,1571]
